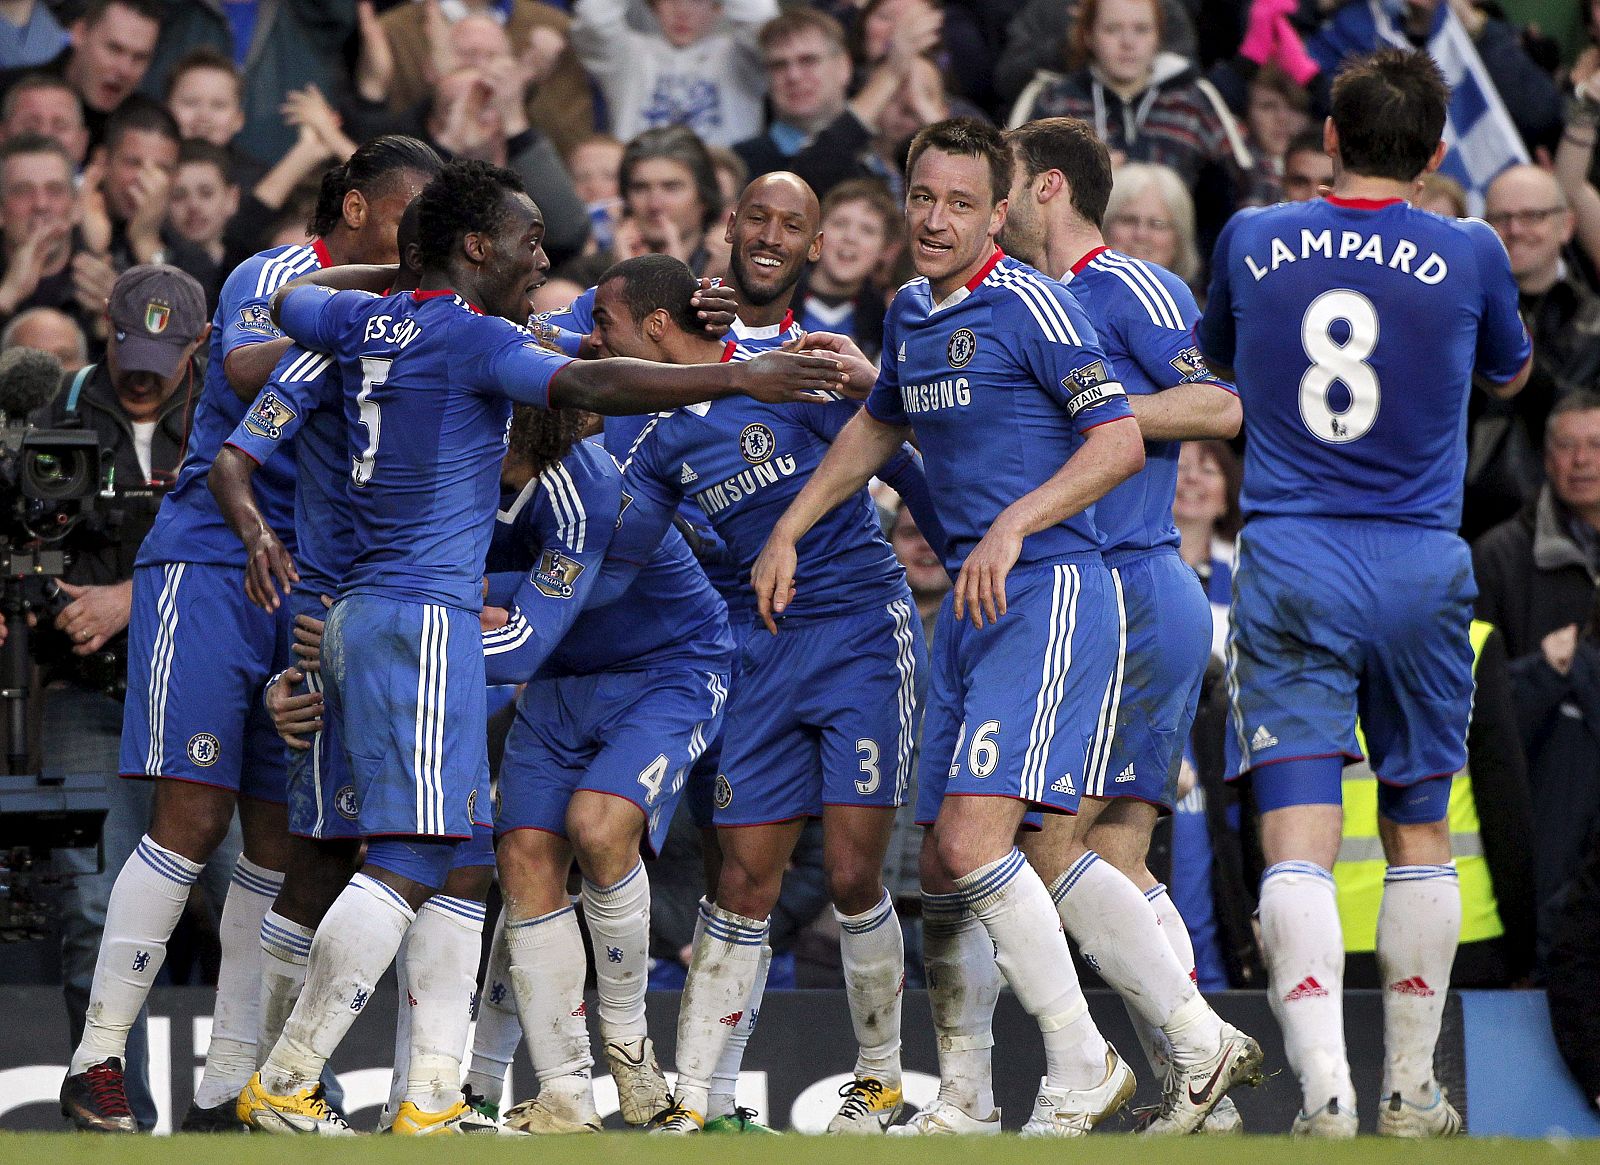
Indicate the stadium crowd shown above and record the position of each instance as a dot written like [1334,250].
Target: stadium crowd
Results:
[196,133]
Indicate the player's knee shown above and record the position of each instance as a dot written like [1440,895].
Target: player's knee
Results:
[747,888]
[605,840]
[314,876]
[469,882]
[855,885]
[958,852]
[191,826]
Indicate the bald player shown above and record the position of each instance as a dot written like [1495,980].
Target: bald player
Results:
[821,717]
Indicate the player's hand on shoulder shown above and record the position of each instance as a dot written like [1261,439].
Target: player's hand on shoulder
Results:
[862,373]
[296,716]
[980,590]
[779,377]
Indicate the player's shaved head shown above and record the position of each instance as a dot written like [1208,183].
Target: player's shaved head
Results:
[775,230]
[787,191]
[407,240]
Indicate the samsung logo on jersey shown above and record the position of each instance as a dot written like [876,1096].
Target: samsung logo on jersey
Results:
[939,394]
[741,485]
[1354,247]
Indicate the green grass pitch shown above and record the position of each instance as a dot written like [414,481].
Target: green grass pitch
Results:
[633,1149]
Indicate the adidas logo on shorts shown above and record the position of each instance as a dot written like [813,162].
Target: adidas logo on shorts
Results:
[1262,739]
[1124,776]
[687,475]
[1064,785]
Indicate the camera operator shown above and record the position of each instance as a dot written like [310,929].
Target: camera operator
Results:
[139,401]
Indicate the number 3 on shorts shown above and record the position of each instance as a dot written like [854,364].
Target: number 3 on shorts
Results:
[1344,362]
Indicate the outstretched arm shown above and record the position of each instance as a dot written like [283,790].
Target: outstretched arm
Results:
[857,453]
[620,387]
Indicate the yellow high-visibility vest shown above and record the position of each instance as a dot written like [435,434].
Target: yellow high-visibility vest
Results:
[1360,868]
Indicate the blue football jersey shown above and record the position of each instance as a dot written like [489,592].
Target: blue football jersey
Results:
[595,588]
[742,462]
[1144,316]
[431,380]
[1000,382]
[189,526]
[1354,329]
[301,412]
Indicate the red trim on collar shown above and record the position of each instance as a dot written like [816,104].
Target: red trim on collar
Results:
[321,249]
[1362,203]
[420,296]
[728,350]
[1089,258]
[788,321]
[983,272]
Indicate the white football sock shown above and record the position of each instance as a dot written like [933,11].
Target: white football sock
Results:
[716,997]
[874,955]
[403,1006]
[499,1030]
[1120,937]
[441,976]
[547,971]
[146,902]
[285,950]
[618,918]
[1419,925]
[1015,908]
[1304,948]
[963,987]
[1152,1039]
[725,1080]
[353,947]
[235,1023]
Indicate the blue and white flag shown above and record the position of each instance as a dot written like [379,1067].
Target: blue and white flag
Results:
[1482,138]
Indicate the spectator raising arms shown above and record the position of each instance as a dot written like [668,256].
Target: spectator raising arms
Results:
[690,71]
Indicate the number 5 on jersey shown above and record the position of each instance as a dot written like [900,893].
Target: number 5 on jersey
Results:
[374,371]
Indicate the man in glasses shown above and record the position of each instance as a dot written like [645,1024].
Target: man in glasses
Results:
[1525,206]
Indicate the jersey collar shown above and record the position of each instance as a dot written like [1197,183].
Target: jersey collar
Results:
[1088,258]
[770,332]
[321,249]
[701,408]
[970,285]
[1362,203]
[423,296]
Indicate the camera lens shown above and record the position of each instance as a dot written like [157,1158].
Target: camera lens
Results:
[52,477]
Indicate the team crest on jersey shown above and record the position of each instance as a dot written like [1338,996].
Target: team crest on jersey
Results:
[1191,365]
[257,318]
[268,417]
[555,574]
[1088,386]
[962,348]
[345,802]
[756,443]
[722,795]
[204,749]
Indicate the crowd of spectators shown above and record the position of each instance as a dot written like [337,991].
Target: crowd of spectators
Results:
[194,132]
